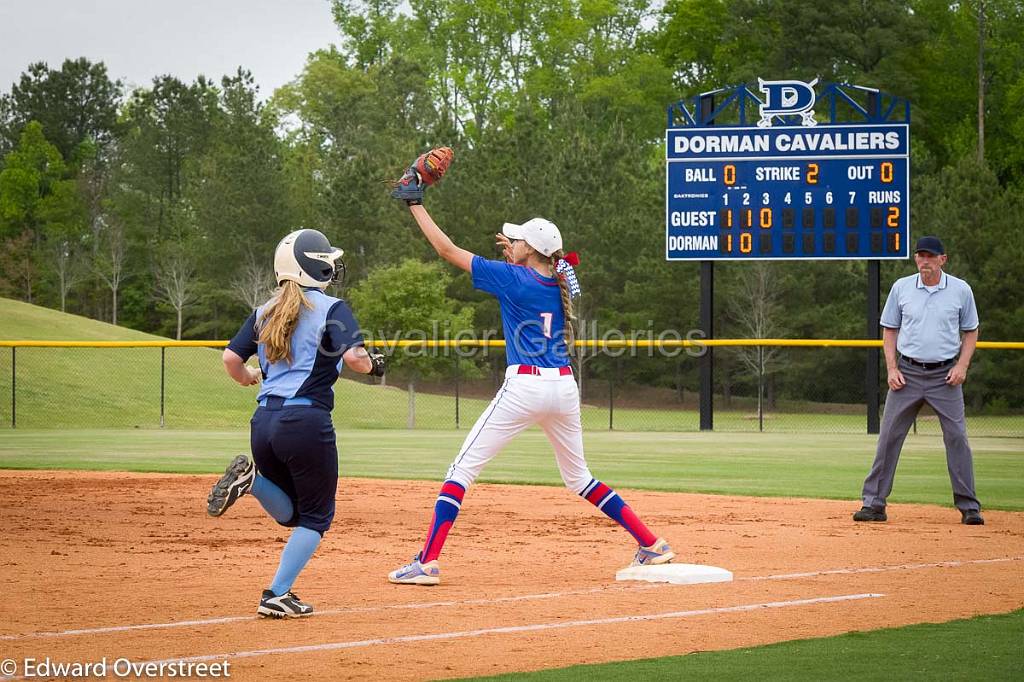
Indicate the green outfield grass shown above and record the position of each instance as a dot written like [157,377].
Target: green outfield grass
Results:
[120,387]
[788,465]
[983,648]
[779,422]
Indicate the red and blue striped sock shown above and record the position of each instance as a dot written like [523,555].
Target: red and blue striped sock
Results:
[449,501]
[608,501]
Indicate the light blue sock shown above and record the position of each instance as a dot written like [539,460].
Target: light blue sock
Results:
[274,500]
[297,552]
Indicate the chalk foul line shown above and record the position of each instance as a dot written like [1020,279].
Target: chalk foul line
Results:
[499,600]
[518,629]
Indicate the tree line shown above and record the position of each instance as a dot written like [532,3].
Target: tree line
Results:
[159,208]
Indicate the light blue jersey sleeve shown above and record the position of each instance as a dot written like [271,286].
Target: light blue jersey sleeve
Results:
[968,311]
[892,313]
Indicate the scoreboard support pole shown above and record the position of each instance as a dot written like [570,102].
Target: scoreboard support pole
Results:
[873,317]
[871,374]
[707,360]
[707,312]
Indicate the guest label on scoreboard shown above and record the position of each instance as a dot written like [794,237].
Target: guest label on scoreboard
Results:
[788,192]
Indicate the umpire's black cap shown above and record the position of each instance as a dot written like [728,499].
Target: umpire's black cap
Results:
[931,245]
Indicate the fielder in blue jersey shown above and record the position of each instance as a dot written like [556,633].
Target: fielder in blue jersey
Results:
[534,288]
[303,338]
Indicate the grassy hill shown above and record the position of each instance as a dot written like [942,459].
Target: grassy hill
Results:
[24,321]
[119,387]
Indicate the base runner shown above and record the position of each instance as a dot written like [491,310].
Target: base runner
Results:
[303,338]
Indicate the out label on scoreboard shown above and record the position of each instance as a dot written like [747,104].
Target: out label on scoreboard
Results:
[837,191]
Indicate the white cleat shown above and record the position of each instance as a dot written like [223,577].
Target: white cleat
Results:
[658,553]
[415,573]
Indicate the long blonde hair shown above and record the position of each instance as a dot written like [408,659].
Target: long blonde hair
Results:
[277,323]
[569,331]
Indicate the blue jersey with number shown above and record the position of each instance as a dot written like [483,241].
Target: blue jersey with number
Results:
[531,312]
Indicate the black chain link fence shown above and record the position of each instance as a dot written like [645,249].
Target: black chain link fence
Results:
[768,389]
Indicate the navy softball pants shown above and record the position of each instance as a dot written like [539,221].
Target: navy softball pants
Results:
[295,449]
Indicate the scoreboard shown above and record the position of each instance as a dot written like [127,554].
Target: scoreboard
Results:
[793,192]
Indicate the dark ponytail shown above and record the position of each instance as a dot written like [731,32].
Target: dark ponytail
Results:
[569,331]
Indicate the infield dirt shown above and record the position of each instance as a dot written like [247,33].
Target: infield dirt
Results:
[111,551]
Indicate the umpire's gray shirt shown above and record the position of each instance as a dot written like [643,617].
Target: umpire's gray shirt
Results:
[930,319]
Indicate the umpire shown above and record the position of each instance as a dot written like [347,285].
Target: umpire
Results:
[930,329]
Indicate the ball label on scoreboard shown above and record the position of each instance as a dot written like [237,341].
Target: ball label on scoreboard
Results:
[807,191]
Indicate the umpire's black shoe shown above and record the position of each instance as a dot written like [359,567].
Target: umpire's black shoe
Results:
[288,605]
[236,481]
[870,514]
[972,517]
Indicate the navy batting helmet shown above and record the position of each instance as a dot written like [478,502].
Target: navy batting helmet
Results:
[307,258]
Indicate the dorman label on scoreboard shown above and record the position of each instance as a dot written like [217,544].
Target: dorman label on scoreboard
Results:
[788,185]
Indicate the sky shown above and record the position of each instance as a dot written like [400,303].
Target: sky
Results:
[140,39]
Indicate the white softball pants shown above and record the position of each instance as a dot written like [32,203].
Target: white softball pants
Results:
[549,400]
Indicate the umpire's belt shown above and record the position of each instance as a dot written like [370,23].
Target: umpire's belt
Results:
[549,372]
[930,365]
[276,402]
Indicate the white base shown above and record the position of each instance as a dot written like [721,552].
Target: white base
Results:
[679,574]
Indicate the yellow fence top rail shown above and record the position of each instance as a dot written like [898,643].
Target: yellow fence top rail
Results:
[498,343]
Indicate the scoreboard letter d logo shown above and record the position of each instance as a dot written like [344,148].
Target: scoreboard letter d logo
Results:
[787,98]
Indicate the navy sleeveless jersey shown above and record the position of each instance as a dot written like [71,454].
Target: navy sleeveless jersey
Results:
[531,312]
[320,338]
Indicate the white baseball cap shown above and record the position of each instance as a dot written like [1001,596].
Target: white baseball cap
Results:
[541,234]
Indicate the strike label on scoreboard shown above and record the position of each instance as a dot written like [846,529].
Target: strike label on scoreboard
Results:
[794,192]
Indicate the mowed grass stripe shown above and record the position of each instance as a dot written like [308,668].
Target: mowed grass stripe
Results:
[983,648]
[775,465]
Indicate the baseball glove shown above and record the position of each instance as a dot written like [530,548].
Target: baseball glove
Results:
[427,169]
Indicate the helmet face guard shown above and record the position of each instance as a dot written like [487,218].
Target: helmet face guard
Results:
[307,258]
[339,272]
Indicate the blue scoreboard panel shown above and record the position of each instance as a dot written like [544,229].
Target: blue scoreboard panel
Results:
[795,192]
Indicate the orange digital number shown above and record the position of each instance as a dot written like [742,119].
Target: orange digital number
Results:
[812,174]
[728,243]
[886,171]
[893,220]
[748,218]
[728,218]
[766,218]
[730,174]
[746,242]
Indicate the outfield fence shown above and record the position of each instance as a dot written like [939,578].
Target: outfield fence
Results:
[769,385]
